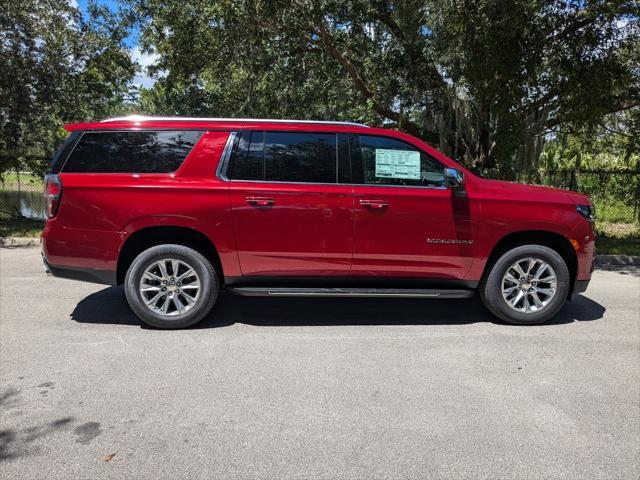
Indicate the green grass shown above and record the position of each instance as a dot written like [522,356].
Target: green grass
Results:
[617,238]
[618,230]
[614,211]
[9,180]
[618,245]
[20,227]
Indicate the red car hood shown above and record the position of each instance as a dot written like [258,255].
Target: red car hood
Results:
[534,192]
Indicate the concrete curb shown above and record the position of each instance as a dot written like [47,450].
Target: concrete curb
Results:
[601,260]
[617,261]
[13,242]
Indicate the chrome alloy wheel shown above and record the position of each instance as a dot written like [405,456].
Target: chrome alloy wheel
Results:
[170,287]
[529,285]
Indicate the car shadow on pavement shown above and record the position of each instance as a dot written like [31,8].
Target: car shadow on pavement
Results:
[109,306]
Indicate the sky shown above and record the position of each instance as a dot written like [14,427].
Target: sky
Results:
[144,59]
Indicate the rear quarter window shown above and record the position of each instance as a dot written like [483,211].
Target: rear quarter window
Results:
[131,152]
[63,152]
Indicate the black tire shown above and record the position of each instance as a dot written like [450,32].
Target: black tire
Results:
[208,283]
[491,286]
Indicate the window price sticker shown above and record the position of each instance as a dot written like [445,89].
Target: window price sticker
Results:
[397,164]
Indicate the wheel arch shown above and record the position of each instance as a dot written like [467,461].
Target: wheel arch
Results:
[553,240]
[151,236]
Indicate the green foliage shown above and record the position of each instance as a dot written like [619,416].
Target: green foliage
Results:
[238,69]
[612,144]
[56,67]
[484,80]
[503,85]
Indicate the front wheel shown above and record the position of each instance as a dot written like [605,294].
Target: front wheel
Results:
[171,286]
[527,285]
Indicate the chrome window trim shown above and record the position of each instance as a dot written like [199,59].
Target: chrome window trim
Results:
[337,183]
[223,164]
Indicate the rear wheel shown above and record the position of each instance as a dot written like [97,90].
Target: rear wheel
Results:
[527,285]
[171,286]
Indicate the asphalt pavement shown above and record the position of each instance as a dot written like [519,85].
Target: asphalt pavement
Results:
[315,388]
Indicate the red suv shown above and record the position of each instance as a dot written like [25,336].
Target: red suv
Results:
[177,209]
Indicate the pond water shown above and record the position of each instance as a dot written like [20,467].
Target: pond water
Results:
[29,203]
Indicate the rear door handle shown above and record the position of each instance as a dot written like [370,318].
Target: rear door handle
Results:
[374,204]
[260,201]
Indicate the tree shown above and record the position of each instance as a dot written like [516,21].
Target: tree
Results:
[56,67]
[485,80]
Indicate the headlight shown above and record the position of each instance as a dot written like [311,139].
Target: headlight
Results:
[587,211]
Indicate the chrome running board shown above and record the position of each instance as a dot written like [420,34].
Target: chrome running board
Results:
[351,292]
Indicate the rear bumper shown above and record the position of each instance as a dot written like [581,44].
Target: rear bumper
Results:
[80,248]
[105,277]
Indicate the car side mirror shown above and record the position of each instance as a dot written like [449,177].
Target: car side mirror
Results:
[454,178]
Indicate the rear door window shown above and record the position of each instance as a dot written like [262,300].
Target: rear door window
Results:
[286,157]
[131,151]
[248,161]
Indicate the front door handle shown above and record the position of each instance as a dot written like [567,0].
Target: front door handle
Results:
[374,204]
[260,201]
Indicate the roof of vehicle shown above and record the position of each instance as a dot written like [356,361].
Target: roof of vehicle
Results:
[142,121]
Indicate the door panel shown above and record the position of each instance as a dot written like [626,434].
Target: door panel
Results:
[407,224]
[290,216]
[411,232]
[289,229]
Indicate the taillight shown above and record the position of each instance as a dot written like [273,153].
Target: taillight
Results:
[52,193]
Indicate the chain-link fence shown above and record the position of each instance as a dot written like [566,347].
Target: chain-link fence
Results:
[616,194]
[21,195]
